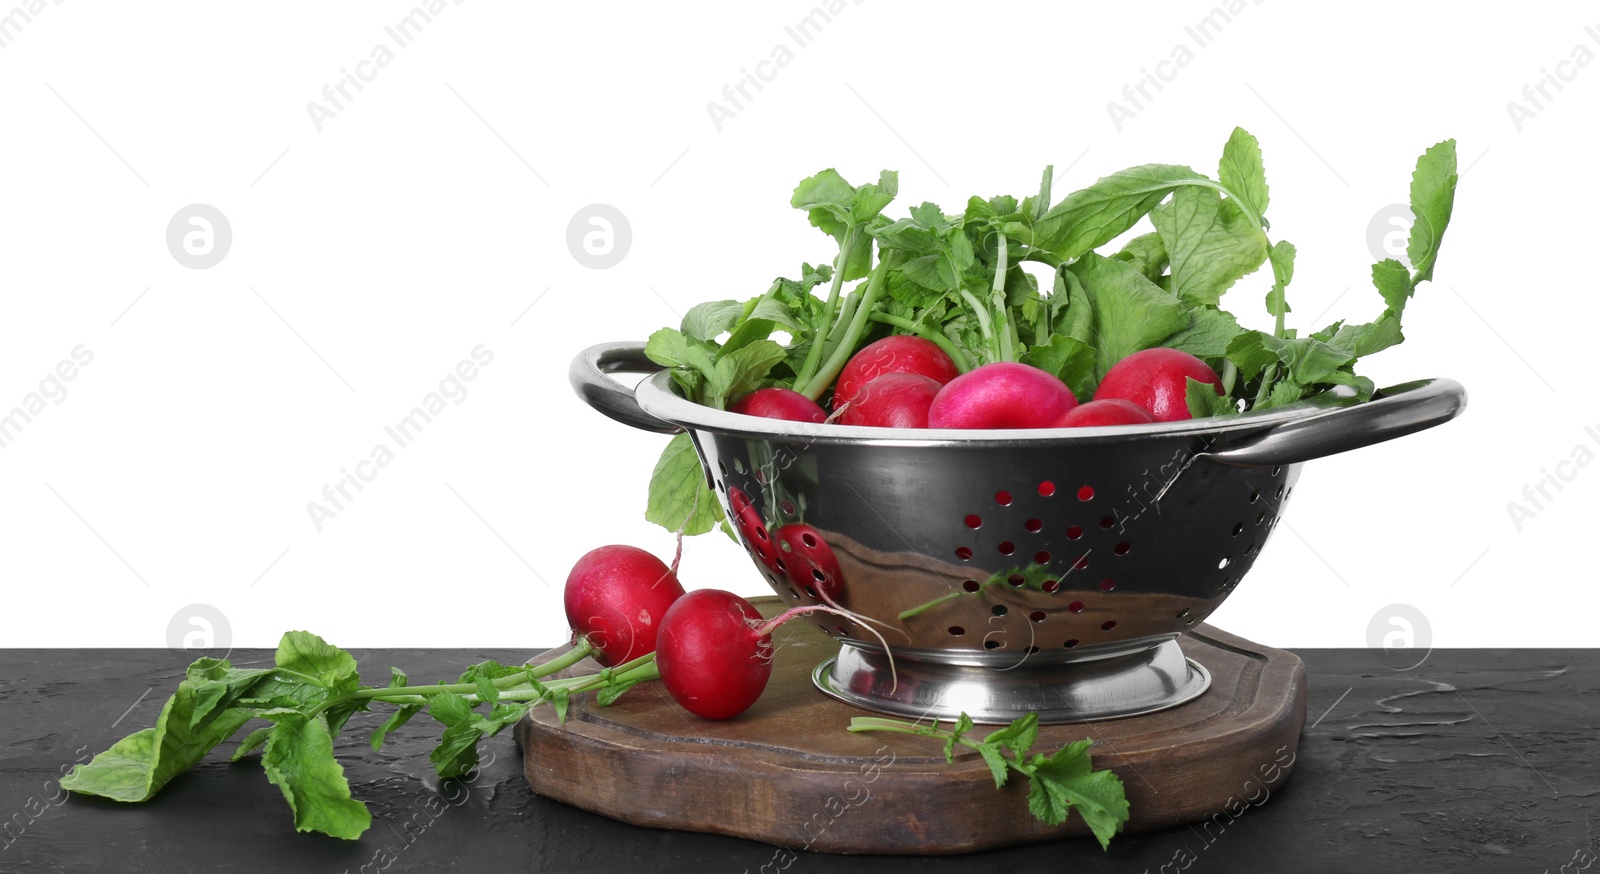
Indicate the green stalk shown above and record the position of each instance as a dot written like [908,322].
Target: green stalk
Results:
[814,357]
[847,346]
[963,363]
[997,298]
[985,325]
[846,313]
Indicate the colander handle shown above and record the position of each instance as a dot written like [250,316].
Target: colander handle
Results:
[1393,412]
[589,377]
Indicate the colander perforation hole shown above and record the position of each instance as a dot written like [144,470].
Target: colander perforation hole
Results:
[1075,607]
[992,644]
[738,466]
[1237,529]
[1183,613]
[971,586]
[1086,493]
[1108,625]
[1278,494]
[787,507]
[810,591]
[1108,522]
[1277,469]
[721,487]
[1071,643]
[722,466]
[1017,580]
[1034,526]
[1222,564]
[1007,547]
[1046,489]
[1041,557]
[1107,584]
[1122,548]
[1074,533]
[1261,517]
[1050,587]
[964,553]
[1002,498]
[1255,495]
[1082,563]
[999,610]
[1031,650]
[956,631]
[1037,616]
[761,476]
[974,521]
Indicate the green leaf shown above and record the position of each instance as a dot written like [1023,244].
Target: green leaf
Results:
[1067,781]
[1127,312]
[705,321]
[609,693]
[299,760]
[251,741]
[679,495]
[309,655]
[1203,400]
[400,717]
[1308,360]
[1393,282]
[740,372]
[1018,736]
[1147,254]
[1282,256]
[136,767]
[1242,171]
[1208,334]
[962,726]
[1362,340]
[996,762]
[1093,216]
[1433,194]
[1210,242]
[1069,359]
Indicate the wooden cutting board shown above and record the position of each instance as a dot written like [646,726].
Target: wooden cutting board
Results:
[788,773]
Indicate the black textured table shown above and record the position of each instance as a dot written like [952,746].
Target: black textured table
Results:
[1477,760]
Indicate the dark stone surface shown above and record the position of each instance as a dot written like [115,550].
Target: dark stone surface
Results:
[1477,760]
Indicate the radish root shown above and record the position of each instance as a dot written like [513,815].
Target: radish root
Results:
[765,628]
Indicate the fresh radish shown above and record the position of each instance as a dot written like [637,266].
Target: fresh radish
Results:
[713,656]
[897,354]
[894,400]
[1157,379]
[1106,411]
[780,403]
[1004,394]
[616,598]
[715,651]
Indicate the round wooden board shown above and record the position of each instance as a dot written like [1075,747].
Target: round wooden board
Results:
[788,773]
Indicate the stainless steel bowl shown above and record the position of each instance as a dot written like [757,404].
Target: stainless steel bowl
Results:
[1046,570]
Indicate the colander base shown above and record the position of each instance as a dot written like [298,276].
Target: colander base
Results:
[1143,682]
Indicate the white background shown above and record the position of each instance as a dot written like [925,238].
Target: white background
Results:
[430,212]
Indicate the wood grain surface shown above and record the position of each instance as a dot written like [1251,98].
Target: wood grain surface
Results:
[788,773]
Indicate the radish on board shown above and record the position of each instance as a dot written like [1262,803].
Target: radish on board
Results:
[715,651]
[1004,394]
[1157,380]
[616,597]
[896,354]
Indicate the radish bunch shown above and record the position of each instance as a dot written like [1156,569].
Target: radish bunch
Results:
[713,649]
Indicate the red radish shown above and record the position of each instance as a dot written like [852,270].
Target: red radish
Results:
[617,597]
[898,354]
[715,651]
[894,400]
[1001,395]
[714,656]
[780,403]
[1157,379]
[1106,411]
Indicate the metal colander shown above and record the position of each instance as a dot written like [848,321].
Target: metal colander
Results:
[1046,570]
